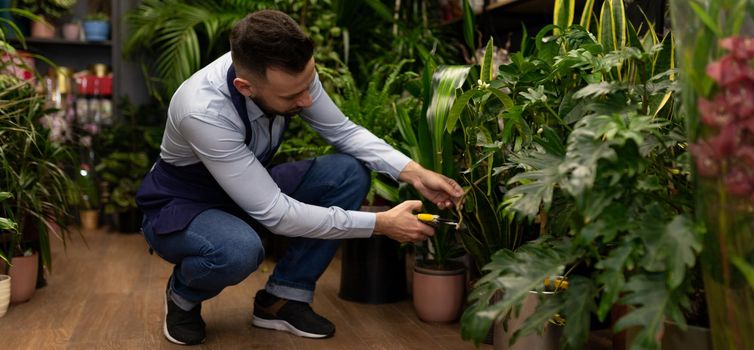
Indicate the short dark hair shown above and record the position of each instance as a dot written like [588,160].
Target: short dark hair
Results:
[269,38]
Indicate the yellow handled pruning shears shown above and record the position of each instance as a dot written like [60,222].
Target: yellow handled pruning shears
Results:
[435,219]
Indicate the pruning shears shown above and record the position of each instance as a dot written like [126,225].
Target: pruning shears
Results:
[435,219]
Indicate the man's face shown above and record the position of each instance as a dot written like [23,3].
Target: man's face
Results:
[280,92]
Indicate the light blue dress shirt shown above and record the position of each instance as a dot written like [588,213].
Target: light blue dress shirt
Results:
[203,126]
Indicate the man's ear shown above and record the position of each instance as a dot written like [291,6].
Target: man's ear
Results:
[245,87]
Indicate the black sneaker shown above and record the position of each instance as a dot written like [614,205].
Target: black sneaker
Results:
[183,327]
[290,316]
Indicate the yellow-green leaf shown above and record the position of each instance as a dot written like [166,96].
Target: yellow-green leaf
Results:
[586,16]
[487,71]
[563,14]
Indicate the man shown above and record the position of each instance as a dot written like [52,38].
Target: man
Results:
[211,190]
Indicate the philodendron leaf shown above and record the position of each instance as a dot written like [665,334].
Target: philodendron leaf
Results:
[577,310]
[487,69]
[651,299]
[547,307]
[670,248]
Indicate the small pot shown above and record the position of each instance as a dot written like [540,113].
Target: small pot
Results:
[4,294]
[42,30]
[96,30]
[24,276]
[72,31]
[438,294]
[89,219]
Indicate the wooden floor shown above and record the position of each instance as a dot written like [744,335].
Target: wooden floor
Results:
[109,296]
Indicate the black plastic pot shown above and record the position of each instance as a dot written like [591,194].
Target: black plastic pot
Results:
[128,221]
[373,271]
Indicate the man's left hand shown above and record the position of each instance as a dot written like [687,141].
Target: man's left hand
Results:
[441,190]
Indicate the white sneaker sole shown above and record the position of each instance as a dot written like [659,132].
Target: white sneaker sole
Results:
[280,325]
[165,324]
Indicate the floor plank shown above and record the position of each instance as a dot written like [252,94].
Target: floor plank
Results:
[106,293]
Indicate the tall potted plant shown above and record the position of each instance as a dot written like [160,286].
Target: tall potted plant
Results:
[438,278]
[604,173]
[716,54]
[32,173]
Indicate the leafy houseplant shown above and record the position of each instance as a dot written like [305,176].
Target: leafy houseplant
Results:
[606,176]
[97,26]
[123,172]
[431,146]
[716,51]
[48,10]
[42,191]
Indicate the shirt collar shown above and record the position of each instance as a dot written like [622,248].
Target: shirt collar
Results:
[253,110]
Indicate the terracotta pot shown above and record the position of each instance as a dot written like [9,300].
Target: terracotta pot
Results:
[549,340]
[694,338]
[89,219]
[23,273]
[4,294]
[42,30]
[438,294]
[72,31]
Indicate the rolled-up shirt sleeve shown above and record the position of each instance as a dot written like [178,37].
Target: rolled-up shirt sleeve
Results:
[327,119]
[221,148]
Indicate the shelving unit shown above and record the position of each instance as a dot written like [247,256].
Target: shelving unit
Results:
[79,55]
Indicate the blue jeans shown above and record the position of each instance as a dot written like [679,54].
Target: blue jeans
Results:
[218,249]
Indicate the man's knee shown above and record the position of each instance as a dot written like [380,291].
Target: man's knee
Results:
[242,257]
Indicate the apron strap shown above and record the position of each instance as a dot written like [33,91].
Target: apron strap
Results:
[239,102]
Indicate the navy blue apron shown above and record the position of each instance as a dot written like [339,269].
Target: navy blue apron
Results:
[171,196]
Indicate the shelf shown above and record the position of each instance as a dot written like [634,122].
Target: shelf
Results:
[495,5]
[490,7]
[59,41]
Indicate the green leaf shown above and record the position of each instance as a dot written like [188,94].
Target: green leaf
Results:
[586,16]
[651,300]
[468,25]
[705,18]
[445,81]
[577,310]
[487,69]
[612,29]
[547,306]
[563,14]
[458,106]
[381,10]
[745,268]
[7,224]
[671,247]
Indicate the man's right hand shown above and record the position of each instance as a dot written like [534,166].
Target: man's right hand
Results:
[402,225]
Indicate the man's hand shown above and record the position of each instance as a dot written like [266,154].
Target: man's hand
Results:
[402,225]
[441,190]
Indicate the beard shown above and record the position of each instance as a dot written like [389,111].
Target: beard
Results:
[272,112]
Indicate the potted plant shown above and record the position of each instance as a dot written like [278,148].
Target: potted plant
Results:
[123,171]
[439,278]
[89,198]
[97,26]
[42,191]
[48,11]
[604,174]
